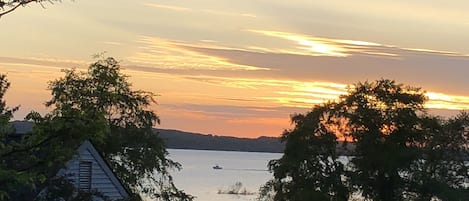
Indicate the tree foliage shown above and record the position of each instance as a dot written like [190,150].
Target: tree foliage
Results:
[444,172]
[99,105]
[10,179]
[309,169]
[400,152]
[383,117]
[120,122]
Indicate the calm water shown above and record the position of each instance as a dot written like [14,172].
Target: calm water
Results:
[198,178]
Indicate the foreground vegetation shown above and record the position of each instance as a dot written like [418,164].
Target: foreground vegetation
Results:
[97,105]
[236,189]
[401,152]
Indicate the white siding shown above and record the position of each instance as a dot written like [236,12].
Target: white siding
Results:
[100,180]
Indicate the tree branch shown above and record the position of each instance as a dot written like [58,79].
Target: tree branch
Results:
[20,3]
[29,147]
[11,10]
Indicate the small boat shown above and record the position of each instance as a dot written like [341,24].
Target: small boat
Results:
[216,167]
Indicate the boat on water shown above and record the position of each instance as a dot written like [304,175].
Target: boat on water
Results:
[217,167]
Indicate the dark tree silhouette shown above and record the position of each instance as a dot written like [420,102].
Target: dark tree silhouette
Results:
[10,179]
[100,105]
[97,105]
[384,123]
[309,169]
[401,153]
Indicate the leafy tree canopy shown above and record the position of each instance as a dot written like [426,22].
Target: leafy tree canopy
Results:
[10,179]
[309,169]
[400,152]
[100,105]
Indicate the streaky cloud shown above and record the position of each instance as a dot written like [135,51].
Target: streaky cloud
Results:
[207,11]
[290,93]
[169,7]
[163,53]
[322,46]
[112,43]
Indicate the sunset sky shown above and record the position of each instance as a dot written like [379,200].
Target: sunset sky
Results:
[241,68]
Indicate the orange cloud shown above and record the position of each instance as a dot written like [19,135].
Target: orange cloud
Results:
[257,120]
[444,101]
[262,92]
[290,93]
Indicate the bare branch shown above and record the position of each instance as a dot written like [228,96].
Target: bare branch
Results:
[11,5]
[9,11]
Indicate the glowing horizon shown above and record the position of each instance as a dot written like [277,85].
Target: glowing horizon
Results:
[242,68]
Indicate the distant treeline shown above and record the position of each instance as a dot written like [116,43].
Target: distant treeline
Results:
[184,140]
[175,139]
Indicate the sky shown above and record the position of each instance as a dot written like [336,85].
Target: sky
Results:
[241,68]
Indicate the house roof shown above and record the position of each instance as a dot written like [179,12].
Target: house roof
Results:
[24,127]
[88,146]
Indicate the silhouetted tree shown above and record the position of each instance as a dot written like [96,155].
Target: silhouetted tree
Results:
[98,105]
[10,179]
[384,123]
[443,170]
[309,169]
[400,153]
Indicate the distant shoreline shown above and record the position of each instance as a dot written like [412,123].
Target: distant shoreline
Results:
[261,152]
[175,139]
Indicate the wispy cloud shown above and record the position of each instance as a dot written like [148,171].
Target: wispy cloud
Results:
[162,53]
[319,46]
[287,93]
[248,15]
[429,51]
[217,12]
[290,93]
[208,41]
[445,101]
[112,43]
[309,45]
[44,62]
[206,11]
[227,101]
[258,121]
[168,7]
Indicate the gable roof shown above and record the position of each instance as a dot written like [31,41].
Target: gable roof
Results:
[25,127]
[87,147]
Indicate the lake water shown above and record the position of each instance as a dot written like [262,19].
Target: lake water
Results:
[198,178]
